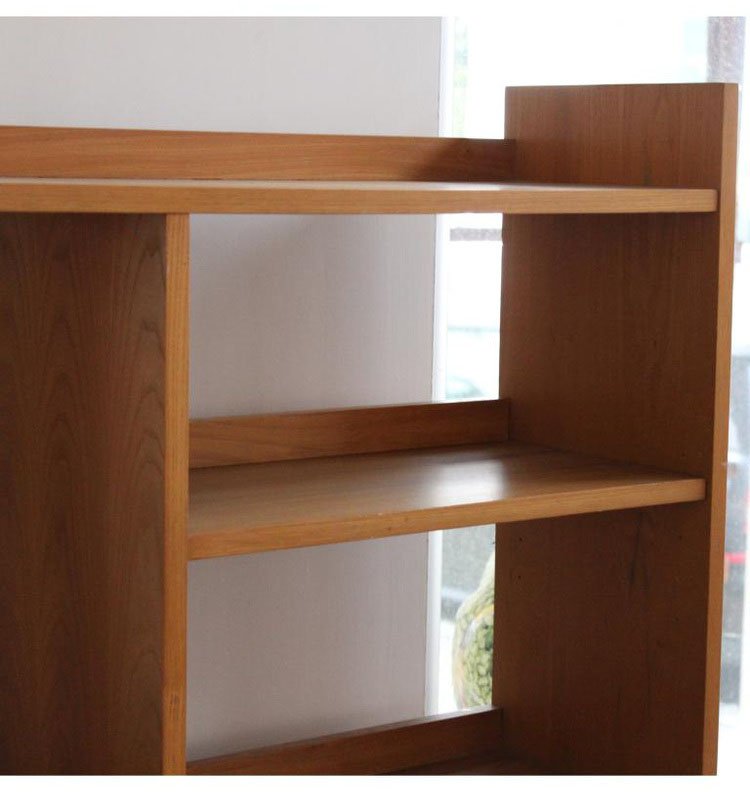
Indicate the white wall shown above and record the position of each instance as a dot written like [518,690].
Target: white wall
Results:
[286,313]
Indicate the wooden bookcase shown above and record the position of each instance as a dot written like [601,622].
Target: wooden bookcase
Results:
[603,465]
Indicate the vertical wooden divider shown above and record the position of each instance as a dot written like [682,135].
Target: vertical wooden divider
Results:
[177,452]
[615,342]
[93,492]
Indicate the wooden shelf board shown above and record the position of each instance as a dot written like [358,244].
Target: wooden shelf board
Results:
[339,197]
[276,505]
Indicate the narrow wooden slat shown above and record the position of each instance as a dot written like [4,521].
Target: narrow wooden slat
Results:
[176,247]
[253,508]
[330,197]
[382,749]
[724,239]
[142,154]
[283,436]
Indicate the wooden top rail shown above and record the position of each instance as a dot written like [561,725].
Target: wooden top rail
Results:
[365,430]
[56,152]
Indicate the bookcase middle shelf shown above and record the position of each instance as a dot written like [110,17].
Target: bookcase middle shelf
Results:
[281,481]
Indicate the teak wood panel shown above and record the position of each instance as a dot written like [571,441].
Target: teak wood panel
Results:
[382,749]
[301,435]
[637,135]
[329,197]
[140,154]
[610,677]
[92,493]
[254,508]
[615,341]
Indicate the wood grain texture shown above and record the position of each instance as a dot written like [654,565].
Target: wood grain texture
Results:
[382,749]
[301,435]
[142,154]
[605,596]
[614,341]
[330,197]
[253,508]
[176,245]
[82,484]
[637,135]
[492,763]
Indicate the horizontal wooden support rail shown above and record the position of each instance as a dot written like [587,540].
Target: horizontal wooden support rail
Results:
[143,154]
[303,435]
[383,749]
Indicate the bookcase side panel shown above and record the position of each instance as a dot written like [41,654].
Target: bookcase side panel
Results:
[615,341]
[82,480]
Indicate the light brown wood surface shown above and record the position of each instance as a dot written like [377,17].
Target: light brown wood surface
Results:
[83,499]
[176,246]
[147,154]
[614,341]
[281,436]
[382,749]
[253,508]
[614,350]
[330,197]
[607,629]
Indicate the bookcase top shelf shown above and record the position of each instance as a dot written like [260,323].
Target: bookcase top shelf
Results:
[129,171]
[214,196]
